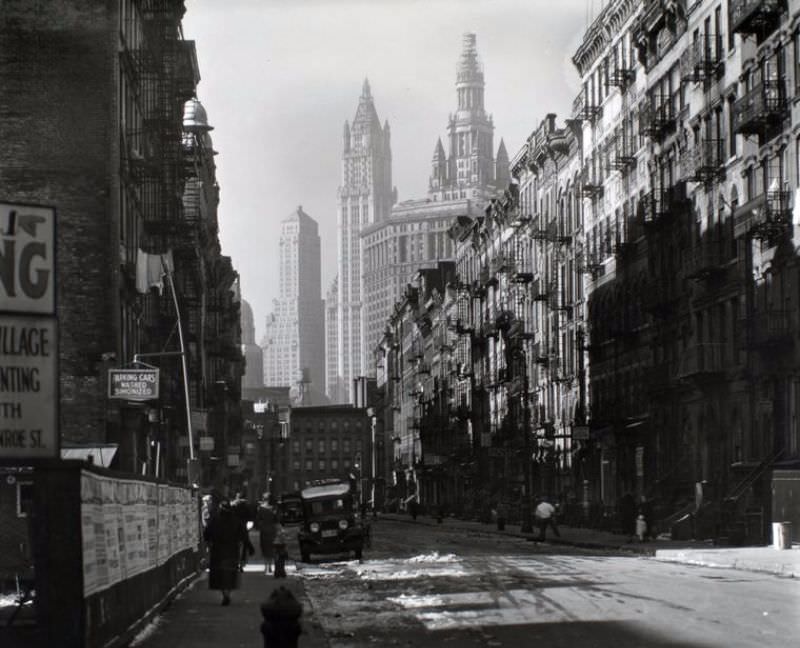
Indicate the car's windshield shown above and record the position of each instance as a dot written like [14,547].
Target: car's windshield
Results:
[328,506]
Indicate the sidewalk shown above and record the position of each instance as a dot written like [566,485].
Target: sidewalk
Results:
[195,619]
[757,559]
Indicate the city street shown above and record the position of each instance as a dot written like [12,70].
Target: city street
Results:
[432,586]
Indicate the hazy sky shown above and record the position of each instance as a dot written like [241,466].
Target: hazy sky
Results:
[280,77]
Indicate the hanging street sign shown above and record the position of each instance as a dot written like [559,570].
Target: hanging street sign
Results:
[133,384]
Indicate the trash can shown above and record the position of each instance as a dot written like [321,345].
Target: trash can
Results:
[782,535]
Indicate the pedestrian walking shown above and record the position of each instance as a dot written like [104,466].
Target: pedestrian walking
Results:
[225,534]
[413,508]
[281,545]
[646,512]
[241,508]
[641,528]
[545,515]
[266,522]
[627,515]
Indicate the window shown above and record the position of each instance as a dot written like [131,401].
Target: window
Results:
[322,465]
[796,45]
[346,446]
[334,445]
[296,465]
[346,463]
[334,464]
[309,465]
[309,446]
[24,498]
[322,446]
[296,446]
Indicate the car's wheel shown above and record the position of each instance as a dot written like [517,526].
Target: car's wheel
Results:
[359,552]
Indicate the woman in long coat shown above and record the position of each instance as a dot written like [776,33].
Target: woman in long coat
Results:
[225,534]
[266,521]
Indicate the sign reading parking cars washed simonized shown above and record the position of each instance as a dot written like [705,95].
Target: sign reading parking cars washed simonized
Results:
[28,333]
[133,384]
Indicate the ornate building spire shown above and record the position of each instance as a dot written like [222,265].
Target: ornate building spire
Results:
[469,169]
[469,78]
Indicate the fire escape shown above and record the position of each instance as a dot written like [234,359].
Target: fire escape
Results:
[763,108]
[702,60]
[657,116]
[756,17]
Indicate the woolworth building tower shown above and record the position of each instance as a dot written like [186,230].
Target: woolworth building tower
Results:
[365,197]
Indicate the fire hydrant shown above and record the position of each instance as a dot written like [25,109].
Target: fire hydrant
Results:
[281,626]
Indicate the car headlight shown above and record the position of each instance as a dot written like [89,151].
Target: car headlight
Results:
[313,527]
[343,524]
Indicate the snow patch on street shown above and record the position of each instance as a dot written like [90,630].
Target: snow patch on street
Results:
[434,557]
[148,631]
[433,565]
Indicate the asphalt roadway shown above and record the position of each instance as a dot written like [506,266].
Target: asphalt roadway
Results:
[464,584]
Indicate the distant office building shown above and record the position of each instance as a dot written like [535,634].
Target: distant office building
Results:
[461,182]
[365,198]
[253,355]
[294,337]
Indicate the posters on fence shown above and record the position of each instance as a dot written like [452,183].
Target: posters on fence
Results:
[131,526]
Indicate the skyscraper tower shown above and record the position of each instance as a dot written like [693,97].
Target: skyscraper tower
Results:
[470,170]
[365,198]
[295,334]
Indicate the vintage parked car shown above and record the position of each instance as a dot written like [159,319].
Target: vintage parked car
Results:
[331,523]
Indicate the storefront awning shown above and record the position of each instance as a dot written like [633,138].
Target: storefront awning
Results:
[101,455]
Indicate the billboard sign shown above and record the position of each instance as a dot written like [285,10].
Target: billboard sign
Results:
[133,384]
[27,259]
[29,387]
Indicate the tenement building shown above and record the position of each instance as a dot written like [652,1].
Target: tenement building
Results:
[624,319]
[128,165]
[295,337]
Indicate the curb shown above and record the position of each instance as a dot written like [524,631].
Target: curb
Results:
[313,633]
[530,537]
[126,637]
[696,557]
[699,559]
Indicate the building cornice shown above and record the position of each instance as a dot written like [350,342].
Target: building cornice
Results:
[602,32]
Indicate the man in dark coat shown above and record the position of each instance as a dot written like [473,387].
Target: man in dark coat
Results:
[627,515]
[225,534]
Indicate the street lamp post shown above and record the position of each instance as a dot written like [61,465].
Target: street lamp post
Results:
[373,422]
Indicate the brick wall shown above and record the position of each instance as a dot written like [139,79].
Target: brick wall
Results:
[57,125]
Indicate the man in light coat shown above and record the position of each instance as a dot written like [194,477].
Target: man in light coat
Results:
[545,515]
